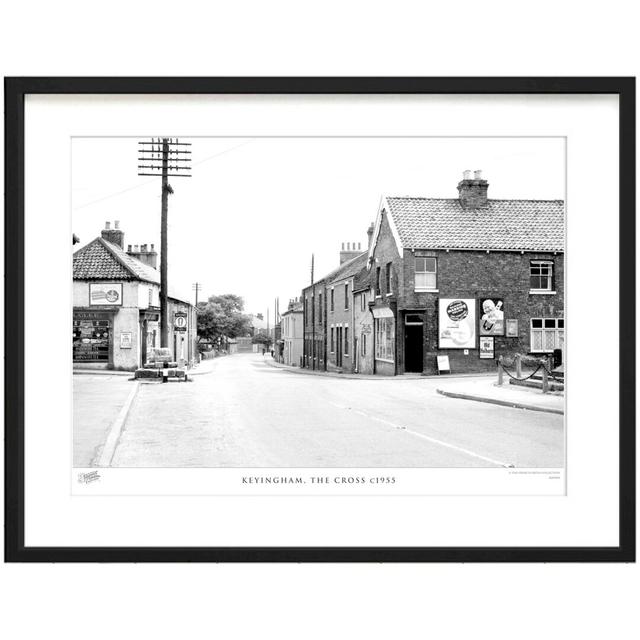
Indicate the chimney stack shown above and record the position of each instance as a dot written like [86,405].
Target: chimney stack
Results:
[115,235]
[350,252]
[142,253]
[473,192]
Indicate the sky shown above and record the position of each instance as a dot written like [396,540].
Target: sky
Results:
[256,209]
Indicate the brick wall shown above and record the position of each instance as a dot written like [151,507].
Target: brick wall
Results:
[465,274]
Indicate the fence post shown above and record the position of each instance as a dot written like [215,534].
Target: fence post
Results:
[500,372]
[518,359]
[545,377]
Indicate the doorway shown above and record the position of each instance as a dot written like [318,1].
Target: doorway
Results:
[413,343]
[339,347]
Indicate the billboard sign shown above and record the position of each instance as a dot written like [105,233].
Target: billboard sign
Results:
[108,293]
[456,323]
[487,348]
[492,317]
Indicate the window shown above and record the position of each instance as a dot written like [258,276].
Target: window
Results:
[320,305]
[426,274]
[541,275]
[332,300]
[377,281]
[332,340]
[547,334]
[363,344]
[388,278]
[346,341]
[363,302]
[346,295]
[384,339]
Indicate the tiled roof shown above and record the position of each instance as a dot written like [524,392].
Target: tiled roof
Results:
[102,260]
[439,223]
[348,269]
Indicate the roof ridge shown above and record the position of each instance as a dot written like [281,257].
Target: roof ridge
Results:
[488,199]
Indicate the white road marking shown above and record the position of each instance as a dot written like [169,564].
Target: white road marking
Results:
[442,443]
[116,429]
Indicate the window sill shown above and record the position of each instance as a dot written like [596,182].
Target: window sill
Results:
[538,292]
[389,294]
[385,360]
[427,290]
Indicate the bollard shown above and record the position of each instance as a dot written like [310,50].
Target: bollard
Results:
[518,360]
[545,378]
[500,371]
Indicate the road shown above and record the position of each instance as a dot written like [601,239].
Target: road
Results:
[248,413]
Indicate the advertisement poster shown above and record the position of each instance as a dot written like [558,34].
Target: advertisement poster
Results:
[492,318]
[456,323]
[486,348]
[108,293]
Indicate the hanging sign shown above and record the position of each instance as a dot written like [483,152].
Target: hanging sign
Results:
[179,321]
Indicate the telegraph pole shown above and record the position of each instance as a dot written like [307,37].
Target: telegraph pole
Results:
[313,318]
[197,286]
[167,158]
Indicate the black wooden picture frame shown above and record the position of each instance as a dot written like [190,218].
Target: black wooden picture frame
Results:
[16,89]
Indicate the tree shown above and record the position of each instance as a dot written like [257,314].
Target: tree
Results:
[222,317]
[262,338]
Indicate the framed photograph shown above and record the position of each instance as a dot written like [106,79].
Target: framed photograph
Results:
[263,278]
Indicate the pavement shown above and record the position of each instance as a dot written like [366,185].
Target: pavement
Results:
[486,390]
[248,413]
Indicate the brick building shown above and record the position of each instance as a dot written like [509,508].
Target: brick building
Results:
[469,278]
[342,339]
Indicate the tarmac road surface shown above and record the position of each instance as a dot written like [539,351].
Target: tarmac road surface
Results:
[247,413]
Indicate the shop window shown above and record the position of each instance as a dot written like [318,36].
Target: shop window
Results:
[541,275]
[426,274]
[547,334]
[384,339]
[91,340]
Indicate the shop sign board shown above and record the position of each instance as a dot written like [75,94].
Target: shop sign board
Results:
[487,348]
[105,293]
[512,328]
[456,323]
[126,340]
[492,318]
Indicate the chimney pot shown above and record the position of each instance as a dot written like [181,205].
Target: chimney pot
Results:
[143,248]
[117,224]
[128,248]
[135,248]
[152,249]
[343,246]
[107,225]
[477,175]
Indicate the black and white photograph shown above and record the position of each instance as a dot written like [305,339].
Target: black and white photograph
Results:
[318,302]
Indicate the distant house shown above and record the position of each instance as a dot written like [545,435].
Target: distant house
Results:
[469,278]
[116,306]
[293,333]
